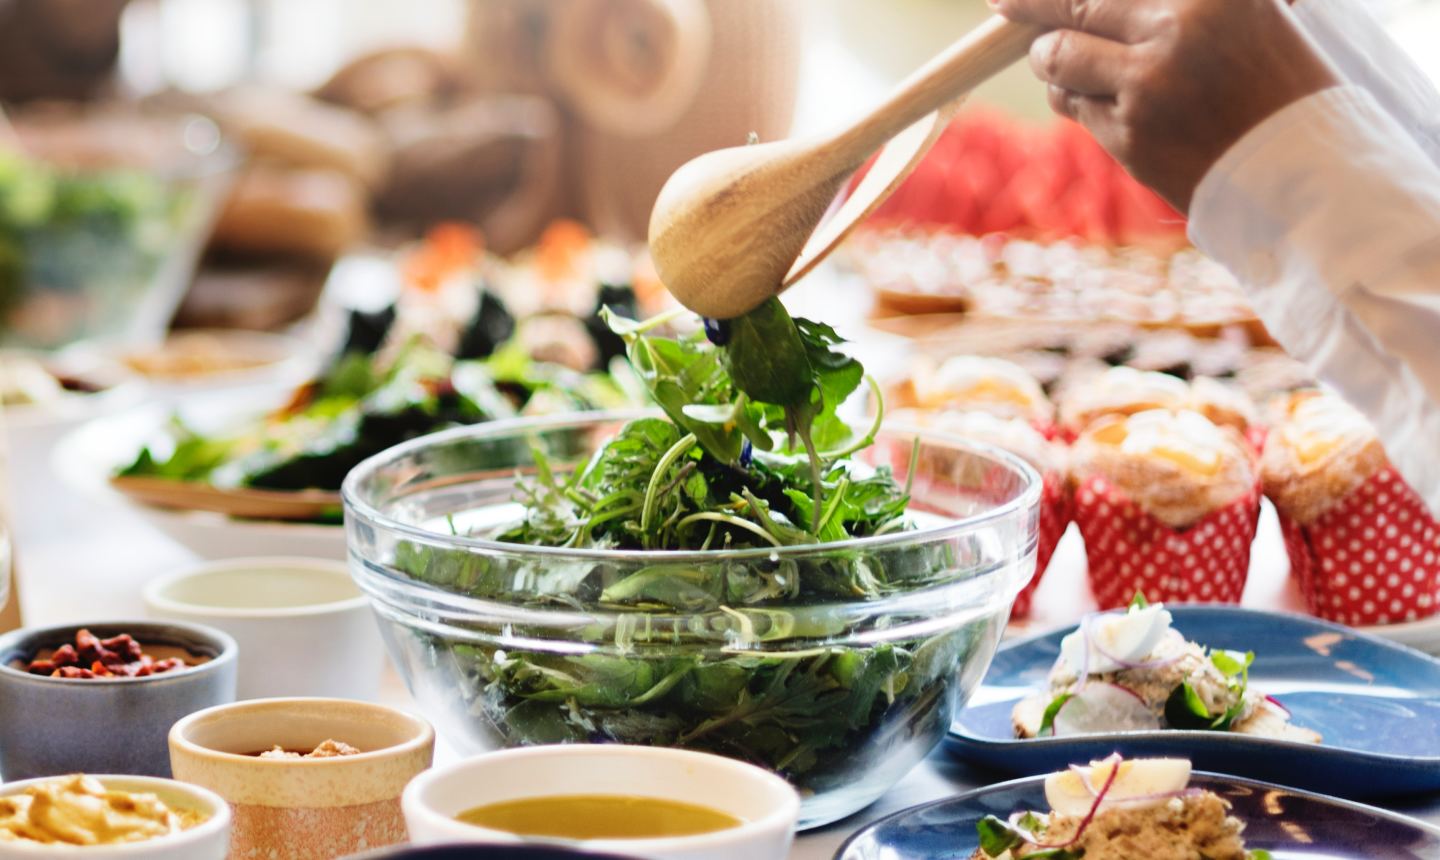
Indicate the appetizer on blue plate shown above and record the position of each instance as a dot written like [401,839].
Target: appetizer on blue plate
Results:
[1131,670]
[1120,809]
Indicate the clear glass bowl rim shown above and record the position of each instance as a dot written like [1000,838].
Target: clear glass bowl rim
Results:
[1028,498]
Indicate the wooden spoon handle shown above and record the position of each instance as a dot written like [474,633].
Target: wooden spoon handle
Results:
[978,56]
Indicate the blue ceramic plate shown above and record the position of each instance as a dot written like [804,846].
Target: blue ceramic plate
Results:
[1291,825]
[1376,704]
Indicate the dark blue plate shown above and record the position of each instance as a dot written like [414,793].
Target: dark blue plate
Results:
[1287,823]
[1376,704]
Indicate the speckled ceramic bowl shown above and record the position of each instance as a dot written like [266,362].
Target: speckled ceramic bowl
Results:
[52,726]
[207,840]
[304,809]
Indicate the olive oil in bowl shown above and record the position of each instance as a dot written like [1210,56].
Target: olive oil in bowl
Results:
[599,816]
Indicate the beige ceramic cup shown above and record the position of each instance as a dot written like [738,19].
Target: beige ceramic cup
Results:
[304,809]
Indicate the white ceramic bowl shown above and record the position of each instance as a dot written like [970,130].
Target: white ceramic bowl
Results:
[208,840]
[87,457]
[304,627]
[767,804]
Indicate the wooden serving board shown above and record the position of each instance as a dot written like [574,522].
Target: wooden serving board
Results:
[244,502]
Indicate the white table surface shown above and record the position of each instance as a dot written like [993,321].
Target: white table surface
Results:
[64,580]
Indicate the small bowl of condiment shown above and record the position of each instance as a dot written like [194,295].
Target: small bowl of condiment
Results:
[304,626]
[307,779]
[650,802]
[112,817]
[100,698]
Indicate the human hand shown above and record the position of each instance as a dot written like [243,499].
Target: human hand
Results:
[1167,86]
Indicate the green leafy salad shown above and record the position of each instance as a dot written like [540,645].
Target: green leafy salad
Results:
[364,404]
[783,658]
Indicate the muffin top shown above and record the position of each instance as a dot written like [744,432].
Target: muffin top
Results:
[992,385]
[1176,465]
[1126,391]
[1320,450]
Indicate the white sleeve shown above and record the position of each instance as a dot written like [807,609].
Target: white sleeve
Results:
[1365,55]
[1329,213]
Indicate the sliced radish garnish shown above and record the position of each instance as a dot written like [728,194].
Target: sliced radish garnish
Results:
[1274,702]
[1102,707]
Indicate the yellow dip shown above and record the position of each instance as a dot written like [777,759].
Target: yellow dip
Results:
[598,816]
[78,810]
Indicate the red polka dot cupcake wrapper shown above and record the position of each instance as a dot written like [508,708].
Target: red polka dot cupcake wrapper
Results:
[1055,517]
[1129,550]
[1372,559]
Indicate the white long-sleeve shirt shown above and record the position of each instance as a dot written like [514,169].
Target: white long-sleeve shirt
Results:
[1329,212]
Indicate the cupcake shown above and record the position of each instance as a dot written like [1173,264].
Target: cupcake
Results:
[1361,542]
[1167,502]
[1022,439]
[1126,391]
[975,384]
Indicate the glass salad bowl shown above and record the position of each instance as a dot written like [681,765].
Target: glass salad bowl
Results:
[838,665]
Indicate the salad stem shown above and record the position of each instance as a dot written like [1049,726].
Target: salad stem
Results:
[647,512]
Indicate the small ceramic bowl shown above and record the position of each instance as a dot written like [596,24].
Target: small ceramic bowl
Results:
[766,804]
[52,726]
[304,809]
[208,840]
[304,627]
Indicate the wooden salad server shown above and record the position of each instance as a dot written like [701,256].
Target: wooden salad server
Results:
[736,226]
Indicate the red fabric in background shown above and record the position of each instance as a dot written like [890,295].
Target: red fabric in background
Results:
[989,173]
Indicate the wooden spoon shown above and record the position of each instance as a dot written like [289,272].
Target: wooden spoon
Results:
[734,227]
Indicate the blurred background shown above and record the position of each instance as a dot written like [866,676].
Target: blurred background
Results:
[245,172]
[329,126]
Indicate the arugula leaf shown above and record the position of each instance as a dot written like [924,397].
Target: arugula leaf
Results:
[1047,722]
[767,358]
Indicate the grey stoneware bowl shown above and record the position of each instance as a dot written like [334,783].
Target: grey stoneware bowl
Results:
[52,726]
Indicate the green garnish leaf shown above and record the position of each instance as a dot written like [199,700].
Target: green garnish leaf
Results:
[1258,854]
[997,836]
[1139,601]
[1047,722]
[1231,667]
[1185,709]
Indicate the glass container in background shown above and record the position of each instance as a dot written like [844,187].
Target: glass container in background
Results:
[103,215]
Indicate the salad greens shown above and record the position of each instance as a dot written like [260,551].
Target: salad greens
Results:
[743,656]
[1186,710]
[364,405]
